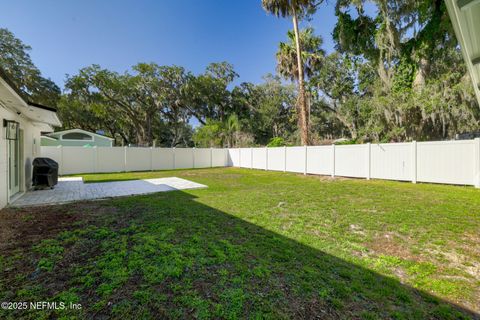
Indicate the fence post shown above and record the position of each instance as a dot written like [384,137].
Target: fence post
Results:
[240,157]
[414,161]
[174,160]
[266,158]
[284,158]
[95,159]
[61,159]
[211,157]
[477,162]
[251,158]
[333,160]
[151,158]
[193,157]
[369,160]
[306,159]
[125,159]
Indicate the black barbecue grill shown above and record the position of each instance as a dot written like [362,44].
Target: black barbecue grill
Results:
[45,173]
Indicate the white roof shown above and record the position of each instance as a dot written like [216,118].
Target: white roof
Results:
[59,133]
[465,16]
[48,138]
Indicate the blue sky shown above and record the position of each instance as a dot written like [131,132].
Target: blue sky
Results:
[68,35]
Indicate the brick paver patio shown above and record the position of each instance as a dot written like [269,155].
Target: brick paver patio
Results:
[74,189]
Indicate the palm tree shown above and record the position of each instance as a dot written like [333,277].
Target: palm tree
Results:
[312,55]
[231,127]
[294,9]
[312,58]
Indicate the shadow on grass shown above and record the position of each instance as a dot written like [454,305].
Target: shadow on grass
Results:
[169,256]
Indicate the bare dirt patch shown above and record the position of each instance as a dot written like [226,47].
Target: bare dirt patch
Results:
[325,177]
[22,228]
[392,244]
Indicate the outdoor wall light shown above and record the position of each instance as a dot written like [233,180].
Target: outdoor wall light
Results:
[12,129]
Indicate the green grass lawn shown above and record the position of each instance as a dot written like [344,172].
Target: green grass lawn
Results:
[254,244]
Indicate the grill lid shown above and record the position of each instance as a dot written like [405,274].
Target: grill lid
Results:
[45,162]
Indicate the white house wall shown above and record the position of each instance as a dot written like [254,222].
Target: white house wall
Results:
[31,149]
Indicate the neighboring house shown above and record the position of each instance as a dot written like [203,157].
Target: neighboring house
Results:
[22,123]
[465,17]
[76,138]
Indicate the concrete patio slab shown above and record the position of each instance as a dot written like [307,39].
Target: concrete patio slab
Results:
[71,189]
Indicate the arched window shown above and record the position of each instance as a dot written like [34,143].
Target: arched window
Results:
[77,136]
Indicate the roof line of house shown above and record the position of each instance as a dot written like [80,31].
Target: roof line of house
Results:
[460,12]
[89,132]
[48,137]
[21,94]
[41,106]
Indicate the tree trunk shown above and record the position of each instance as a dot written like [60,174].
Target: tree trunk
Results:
[421,75]
[301,102]
[352,128]
[141,136]
[149,130]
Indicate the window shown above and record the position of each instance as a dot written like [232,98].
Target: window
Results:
[77,136]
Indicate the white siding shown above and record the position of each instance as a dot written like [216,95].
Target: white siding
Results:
[31,150]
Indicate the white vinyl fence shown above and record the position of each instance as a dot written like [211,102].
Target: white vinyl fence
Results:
[74,160]
[450,162]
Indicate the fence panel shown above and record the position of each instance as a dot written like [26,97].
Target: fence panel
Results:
[138,159]
[110,159]
[296,159]
[351,161]
[392,161]
[234,157]
[452,162]
[276,158]
[446,162]
[320,160]
[245,157]
[162,159]
[202,158]
[78,160]
[220,157]
[259,158]
[183,158]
